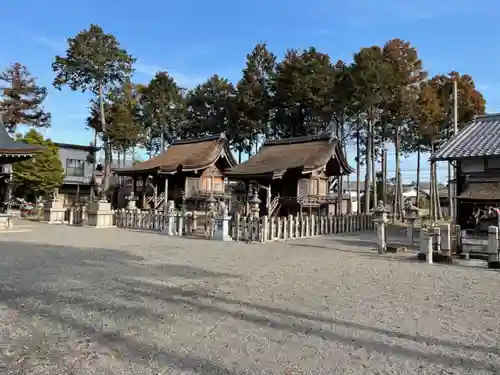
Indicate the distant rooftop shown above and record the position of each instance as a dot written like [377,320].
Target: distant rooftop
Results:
[478,139]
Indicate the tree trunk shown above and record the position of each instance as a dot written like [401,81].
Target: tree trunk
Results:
[439,213]
[106,145]
[358,172]
[417,198]
[374,175]
[432,207]
[397,195]
[368,179]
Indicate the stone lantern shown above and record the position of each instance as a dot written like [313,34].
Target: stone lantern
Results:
[381,218]
[255,204]
[131,201]
[211,203]
[411,215]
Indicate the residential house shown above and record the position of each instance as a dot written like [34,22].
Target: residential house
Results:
[78,170]
[475,151]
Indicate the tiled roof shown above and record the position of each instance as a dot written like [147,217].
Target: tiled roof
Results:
[11,150]
[188,154]
[307,153]
[479,138]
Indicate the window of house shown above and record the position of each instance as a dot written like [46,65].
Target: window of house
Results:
[75,168]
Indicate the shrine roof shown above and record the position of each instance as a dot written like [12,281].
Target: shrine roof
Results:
[12,150]
[186,155]
[308,153]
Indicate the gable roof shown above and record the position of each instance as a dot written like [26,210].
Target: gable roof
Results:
[479,138]
[12,150]
[307,153]
[188,155]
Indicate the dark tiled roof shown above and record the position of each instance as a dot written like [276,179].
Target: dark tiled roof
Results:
[479,138]
[486,191]
[11,150]
[309,153]
[76,147]
[190,154]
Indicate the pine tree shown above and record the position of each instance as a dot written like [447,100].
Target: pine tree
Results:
[21,99]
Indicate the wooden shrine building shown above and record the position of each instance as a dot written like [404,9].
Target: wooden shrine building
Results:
[11,152]
[475,152]
[293,174]
[188,172]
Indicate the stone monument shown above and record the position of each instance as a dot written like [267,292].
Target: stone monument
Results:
[170,226]
[53,210]
[222,223]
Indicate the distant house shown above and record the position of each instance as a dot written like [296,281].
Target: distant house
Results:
[78,171]
[476,152]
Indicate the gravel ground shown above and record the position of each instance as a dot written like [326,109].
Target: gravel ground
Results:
[110,301]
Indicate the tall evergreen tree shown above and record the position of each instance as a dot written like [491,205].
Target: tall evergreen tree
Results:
[252,105]
[21,101]
[163,109]
[208,107]
[94,62]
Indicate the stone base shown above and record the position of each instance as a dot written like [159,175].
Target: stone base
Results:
[5,221]
[494,265]
[222,229]
[464,256]
[100,215]
[54,212]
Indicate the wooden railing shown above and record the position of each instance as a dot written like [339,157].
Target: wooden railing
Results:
[275,206]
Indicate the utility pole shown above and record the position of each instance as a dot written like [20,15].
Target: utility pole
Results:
[452,197]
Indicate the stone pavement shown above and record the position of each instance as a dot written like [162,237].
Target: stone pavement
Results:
[83,300]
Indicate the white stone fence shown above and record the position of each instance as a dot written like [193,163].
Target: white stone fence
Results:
[267,229]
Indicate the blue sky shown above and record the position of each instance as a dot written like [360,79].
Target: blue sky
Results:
[196,39]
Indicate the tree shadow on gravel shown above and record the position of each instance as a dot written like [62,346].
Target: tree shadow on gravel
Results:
[178,296]
[128,282]
[27,271]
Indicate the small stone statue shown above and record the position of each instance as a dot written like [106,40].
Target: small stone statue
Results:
[96,184]
[55,194]
[223,208]
[170,206]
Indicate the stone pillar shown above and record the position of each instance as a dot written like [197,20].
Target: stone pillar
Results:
[437,238]
[180,223]
[313,225]
[265,229]
[381,240]
[222,228]
[464,254]
[493,261]
[426,249]
[194,226]
[170,218]
[285,229]
[291,233]
[446,241]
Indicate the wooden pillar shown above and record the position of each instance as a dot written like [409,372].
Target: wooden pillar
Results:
[268,200]
[165,201]
[144,192]
[155,192]
[134,185]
